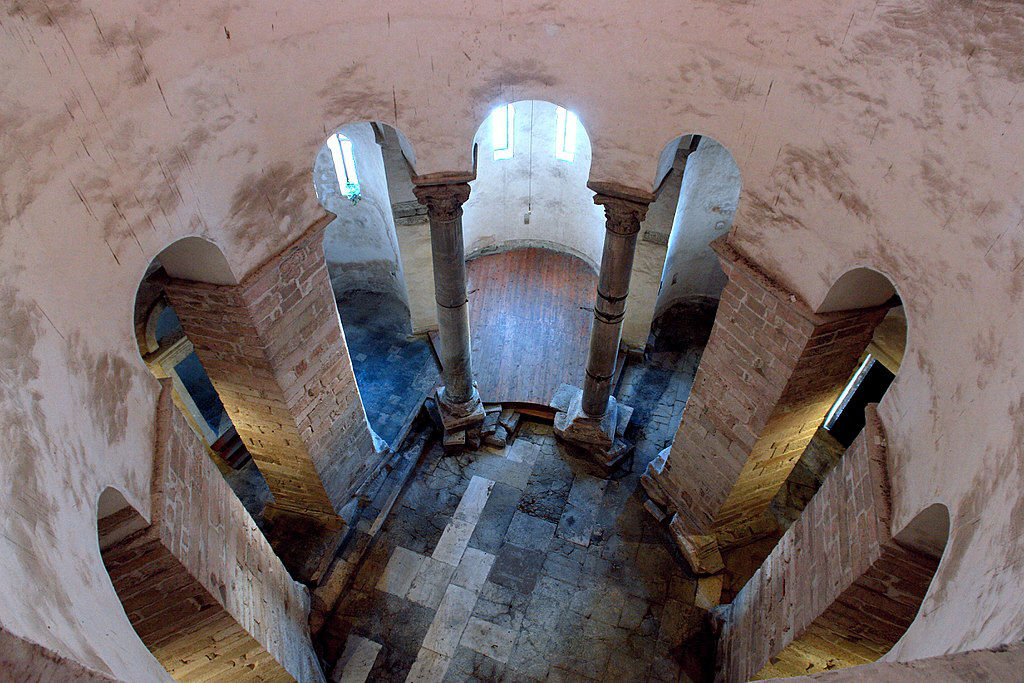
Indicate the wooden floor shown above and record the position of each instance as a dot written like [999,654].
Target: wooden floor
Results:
[529,315]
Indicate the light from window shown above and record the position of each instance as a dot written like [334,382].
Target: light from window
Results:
[565,134]
[501,131]
[844,397]
[344,164]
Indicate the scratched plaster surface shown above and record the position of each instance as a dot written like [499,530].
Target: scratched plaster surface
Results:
[868,133]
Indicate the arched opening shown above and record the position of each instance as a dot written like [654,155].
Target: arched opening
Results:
[124,536]
[533,237]
[533,163]
[169,353]
[872,614]
[704,181]
[877,366]
[359,171]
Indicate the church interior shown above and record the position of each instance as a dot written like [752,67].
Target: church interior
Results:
[511,340]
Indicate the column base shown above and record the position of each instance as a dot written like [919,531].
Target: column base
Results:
[700,551]
[651,481]
[600,436]
[459,417]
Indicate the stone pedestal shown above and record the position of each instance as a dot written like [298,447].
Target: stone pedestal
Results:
[459,415]
[601,435]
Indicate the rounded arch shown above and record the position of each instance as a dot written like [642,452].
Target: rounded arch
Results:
[197,258]
[360,173]
[533,166]
[168,353]
[860,287]
[702,177]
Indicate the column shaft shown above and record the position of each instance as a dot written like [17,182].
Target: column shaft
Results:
[444,209]
[622,224]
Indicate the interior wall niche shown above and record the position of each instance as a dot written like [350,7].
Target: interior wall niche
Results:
[535,193]
[360,244]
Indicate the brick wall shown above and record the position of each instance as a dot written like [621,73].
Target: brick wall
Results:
[770,372]
[837,590]
[200,584]
[275,351]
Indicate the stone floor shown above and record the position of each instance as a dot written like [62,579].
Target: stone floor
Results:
[523,564]
[394,370]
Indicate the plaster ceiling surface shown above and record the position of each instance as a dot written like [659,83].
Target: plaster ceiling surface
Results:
[883,134]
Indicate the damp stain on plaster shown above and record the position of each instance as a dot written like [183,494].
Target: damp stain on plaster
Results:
[980,36]
[30,530]
[46,12]
[514,80]
[352,94]
[265,200]
[109,379]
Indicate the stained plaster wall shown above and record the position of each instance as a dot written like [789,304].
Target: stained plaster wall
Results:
[128,127]
[554,193]
[413,232]
[360,244]
[705,210]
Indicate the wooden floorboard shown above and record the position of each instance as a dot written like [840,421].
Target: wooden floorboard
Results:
[530,312]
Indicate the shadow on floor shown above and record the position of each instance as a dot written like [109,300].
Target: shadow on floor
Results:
[394,371]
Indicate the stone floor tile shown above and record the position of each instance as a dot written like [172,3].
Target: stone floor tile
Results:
[453,542]
[489,534]
[474,499]
[431,582]
[501,605]
[679,621]
[429,667]
[400,572]
[515,474]
[577,524]
[517,568]
[523,450]
[530,532]
[356,661]
[473,569]
[468,665]
[488,639]
[563,568]
[633,611]
[452,616]
[587,491]
[531,652]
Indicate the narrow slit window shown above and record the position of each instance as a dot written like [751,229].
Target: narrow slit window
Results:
[844,397]
[501,131]
[344,164]
[565,134]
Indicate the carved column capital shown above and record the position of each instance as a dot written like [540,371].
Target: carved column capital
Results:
[622,216]
[443,202]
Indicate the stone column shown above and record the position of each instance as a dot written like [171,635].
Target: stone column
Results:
[458,400]
[770,372]
[591,418]
[275,352]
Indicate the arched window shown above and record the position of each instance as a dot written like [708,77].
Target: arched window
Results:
[344,164]
[502,125]
[565,134]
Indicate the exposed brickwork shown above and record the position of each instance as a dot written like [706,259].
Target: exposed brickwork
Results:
[770,372]
[837,590]
[275,351]
[996,664]
[200,584]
